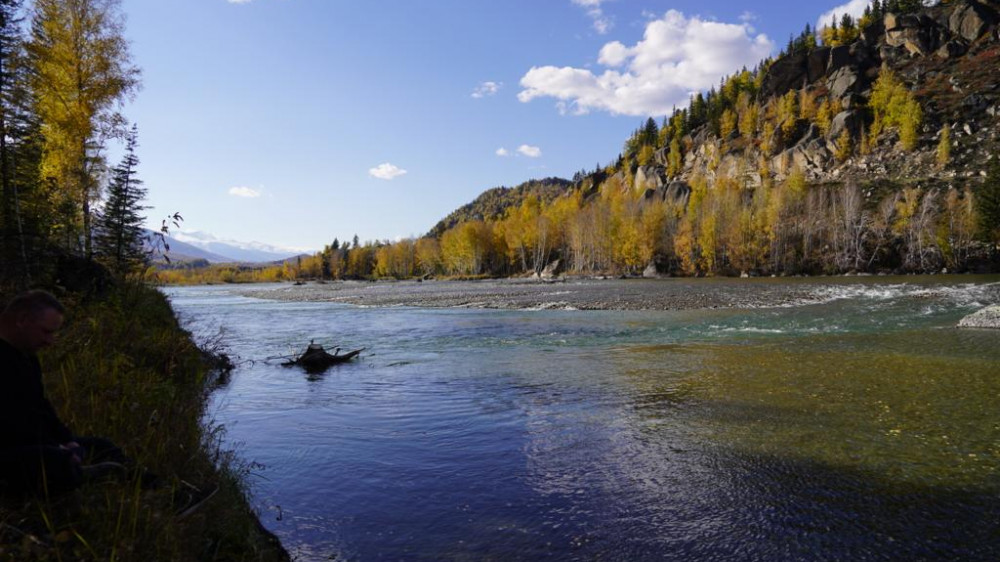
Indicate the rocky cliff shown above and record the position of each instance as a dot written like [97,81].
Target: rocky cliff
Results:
[947,55]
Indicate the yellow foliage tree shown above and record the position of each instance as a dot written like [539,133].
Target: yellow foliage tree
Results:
[428,254]
[944,146]
[893,105]
[82,71]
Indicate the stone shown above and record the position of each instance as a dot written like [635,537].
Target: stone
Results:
[839,58]
[951,49]
[842,82]
[650,271]
[661,156]
[988,317]
[676,191]
[647,177]
[971,20]
[787,73]
[817,63]
[551,270]
[849,120]
[918,34]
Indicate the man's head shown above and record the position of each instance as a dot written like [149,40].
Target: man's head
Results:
[31,320]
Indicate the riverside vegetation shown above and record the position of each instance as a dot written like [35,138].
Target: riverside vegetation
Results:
[124,368]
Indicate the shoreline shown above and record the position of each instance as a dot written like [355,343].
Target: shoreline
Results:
[590,294]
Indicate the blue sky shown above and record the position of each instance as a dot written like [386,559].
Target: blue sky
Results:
[294,122]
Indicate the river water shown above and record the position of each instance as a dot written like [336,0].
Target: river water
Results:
[852,421]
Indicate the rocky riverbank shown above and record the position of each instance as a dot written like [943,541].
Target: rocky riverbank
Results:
[584,294]
[619,294]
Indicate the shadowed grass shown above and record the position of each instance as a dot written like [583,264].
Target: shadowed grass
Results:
[125,370]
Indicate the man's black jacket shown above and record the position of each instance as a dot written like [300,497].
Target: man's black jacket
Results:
[26,416]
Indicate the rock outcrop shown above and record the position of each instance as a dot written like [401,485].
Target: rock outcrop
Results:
[947,55]
[988,317]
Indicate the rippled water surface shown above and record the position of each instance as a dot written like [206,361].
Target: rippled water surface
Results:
[854,424]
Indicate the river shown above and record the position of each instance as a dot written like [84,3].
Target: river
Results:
[819,419]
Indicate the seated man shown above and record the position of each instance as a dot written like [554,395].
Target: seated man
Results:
[37,451]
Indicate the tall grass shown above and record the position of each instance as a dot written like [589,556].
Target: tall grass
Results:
[125,370]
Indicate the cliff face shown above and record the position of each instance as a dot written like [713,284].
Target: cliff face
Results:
[948,56]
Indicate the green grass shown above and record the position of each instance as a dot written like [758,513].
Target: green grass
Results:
[125,370]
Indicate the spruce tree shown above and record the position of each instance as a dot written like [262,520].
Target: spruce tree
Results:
[119,237]
[19,149]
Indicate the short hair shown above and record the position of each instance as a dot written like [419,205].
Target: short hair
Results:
[34,303]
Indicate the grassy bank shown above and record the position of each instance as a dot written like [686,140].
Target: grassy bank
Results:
[124,369]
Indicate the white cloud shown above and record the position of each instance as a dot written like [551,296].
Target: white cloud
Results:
[386,171]
[529,151]
[243,191]
[239,1]
[487,89]
[602,23]
[613,54]
[676,57]
[502,152]
[856,8]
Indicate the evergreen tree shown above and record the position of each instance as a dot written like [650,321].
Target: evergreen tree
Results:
[119,238]
[19,149]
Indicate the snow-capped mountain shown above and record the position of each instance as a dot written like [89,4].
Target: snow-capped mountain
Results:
[234,250]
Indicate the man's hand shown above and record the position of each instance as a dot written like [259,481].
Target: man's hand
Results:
[76,449]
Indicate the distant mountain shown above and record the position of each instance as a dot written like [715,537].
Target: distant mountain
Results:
[195,245]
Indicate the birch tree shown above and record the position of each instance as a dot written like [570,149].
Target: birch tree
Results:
[82,74]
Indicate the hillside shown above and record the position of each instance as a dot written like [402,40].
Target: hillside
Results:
[493,203]
[946,56]
[858,148]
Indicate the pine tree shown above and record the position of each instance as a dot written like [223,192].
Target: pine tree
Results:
[119,237]
[19,150]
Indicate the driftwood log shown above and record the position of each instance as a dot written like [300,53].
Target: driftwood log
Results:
[316,359]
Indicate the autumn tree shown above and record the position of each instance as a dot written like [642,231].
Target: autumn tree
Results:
[944,146]
[956,229]
[82,73]
[988,205]
[893,105]
[428,254]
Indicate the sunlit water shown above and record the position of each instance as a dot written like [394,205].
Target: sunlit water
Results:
[857,425]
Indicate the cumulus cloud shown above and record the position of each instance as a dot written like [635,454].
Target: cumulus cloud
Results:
[486,89]
[386,171]
[502,152]
[856,8]
[676,57]
[243,191]
[529,151]
[602,23]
